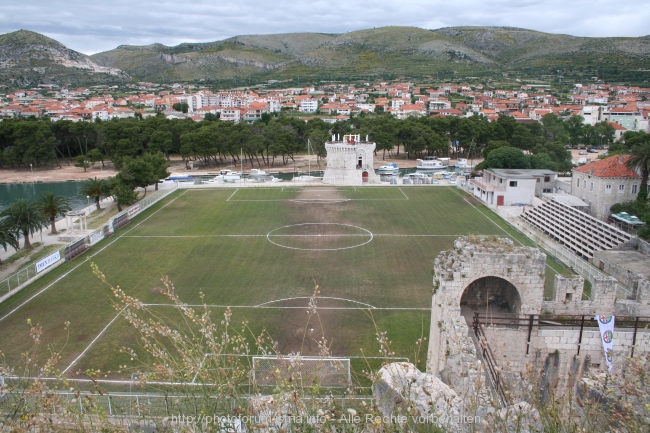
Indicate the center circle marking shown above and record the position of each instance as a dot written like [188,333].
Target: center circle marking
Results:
[285,232]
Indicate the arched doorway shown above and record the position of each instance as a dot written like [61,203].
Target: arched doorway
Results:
[489,295]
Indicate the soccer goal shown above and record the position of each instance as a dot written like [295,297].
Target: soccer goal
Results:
[324,371]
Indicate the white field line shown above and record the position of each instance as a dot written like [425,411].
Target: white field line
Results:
[92,343]
[194,236]
[318,235]
[321,200]
[26,301]
[231,198]
[401,235]
[548,266]
[232,195]
[303,307]
[486,216]
[318,298]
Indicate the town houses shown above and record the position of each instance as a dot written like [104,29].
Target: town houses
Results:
[626,108]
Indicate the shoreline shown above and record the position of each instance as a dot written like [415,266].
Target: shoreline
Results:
[70,173]
[62,174]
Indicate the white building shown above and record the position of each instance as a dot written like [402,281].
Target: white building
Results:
[350,161]
[309,105]
[591,114]
[512,187]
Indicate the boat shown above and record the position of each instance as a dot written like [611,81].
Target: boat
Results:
[301,177]
[306,178]
[432,163]
[180,178]
[390,168]
[417,178]
[256,172]
[232,176]
[463,164]
[226,175]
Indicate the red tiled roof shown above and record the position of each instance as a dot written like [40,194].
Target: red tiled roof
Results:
[617,126]
[613,166]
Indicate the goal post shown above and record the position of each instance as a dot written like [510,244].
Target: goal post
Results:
[308,370]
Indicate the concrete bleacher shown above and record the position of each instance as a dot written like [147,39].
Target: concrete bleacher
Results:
[567,224]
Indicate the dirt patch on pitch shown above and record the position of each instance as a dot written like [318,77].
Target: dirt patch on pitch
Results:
[319,204]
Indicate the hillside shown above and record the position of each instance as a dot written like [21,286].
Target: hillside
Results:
[371,54]
[389,53]
[28,59]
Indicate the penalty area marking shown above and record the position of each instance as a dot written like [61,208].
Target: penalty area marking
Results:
[321,200]
[92,343]
[367,233]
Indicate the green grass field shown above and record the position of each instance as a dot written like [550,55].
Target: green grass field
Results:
[261,251]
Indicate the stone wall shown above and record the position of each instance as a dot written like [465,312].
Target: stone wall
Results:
[570,354]
[552,352]
[568,294]
[470,260]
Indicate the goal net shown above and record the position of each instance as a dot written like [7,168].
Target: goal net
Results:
[324,371]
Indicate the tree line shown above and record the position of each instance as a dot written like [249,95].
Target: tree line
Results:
[140,148]
[275,139]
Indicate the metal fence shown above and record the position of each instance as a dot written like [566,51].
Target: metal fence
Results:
[15,282]
[131,400]
[177,412]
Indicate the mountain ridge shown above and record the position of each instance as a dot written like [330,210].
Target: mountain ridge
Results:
[28,58]
[379,53]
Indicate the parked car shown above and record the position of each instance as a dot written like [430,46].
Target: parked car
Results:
[592,150]
[582,152]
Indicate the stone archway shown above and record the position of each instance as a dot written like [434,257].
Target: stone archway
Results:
[480,272]
[489,295]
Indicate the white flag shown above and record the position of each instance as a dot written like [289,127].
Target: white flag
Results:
[606,326]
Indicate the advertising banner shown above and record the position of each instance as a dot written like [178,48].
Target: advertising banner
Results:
[48,261]
[606,326]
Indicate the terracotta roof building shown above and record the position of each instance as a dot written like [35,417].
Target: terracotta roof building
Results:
[605,182]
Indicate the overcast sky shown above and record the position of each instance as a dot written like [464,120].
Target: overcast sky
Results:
[93,26]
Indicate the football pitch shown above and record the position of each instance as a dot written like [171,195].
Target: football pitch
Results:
[261,252]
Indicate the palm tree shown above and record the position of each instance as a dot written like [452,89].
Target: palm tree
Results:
[7,235]
[24,217]
[52,206]
[95,188]
[640,160]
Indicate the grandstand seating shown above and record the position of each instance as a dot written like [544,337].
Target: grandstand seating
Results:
[576,230]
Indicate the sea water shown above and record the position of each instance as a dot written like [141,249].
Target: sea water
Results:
[9,192]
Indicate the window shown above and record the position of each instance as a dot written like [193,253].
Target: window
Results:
[513,183]
[547,178]
[634,188]
[608,189]
[591,186]
[621,188]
